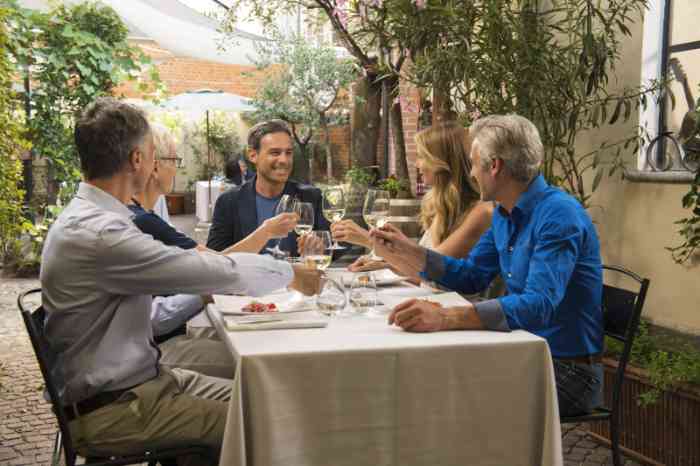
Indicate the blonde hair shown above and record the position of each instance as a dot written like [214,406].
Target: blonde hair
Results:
[444,149]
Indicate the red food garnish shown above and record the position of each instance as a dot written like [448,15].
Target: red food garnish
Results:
[257,306]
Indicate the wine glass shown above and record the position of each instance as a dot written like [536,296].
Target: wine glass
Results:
[305,211]
[331,300]
[334,208]
[363,293]
[375,211]
[317,250]
[285,205]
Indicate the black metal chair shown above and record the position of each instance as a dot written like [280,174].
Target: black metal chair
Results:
[34,321]
[622,310]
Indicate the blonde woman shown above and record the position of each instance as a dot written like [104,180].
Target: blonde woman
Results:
[452,216]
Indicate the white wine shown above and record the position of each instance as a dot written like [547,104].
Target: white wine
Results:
[320,261]
[370,220]
[302,229]
[380,220]
[334,215]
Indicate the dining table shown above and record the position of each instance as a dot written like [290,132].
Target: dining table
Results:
[357,391]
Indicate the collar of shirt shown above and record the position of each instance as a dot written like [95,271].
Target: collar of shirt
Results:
[102,199]
[527,201]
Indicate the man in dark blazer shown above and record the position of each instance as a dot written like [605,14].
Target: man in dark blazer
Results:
[240,210]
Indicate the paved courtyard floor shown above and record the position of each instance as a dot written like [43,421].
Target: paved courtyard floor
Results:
[27,425]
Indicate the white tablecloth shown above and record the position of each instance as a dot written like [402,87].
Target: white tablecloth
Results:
[204,196]
[360,392]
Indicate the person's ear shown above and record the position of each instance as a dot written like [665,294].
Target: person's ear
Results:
[497,166]
[135,159]
[252,155]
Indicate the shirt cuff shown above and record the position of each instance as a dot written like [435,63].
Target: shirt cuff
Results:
[434,266]
[491,314]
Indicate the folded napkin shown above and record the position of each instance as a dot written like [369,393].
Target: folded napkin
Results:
[238,325]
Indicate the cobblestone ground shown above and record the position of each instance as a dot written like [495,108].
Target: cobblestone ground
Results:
[27,426]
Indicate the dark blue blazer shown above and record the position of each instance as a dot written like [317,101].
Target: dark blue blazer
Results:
[235,215]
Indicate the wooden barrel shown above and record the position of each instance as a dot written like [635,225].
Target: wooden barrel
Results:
[404,213]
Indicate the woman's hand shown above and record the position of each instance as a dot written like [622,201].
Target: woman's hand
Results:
[366,264]
[350,232]
[280,225]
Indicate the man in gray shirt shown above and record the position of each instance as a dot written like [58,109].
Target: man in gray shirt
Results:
[98,274]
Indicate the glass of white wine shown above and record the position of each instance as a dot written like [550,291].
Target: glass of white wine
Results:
[305,211]
[317,250]
[334,208]
[375,211]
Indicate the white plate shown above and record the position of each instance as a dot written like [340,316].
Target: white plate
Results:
[286,302]
[383,277]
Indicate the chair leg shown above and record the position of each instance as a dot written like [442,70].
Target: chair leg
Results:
[57,450]
[615,440]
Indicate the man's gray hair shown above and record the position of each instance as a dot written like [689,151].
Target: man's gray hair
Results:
[162,139]
[511,138]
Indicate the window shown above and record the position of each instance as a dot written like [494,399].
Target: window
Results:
[671,41]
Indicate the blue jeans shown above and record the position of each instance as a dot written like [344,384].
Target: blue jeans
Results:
[579,387]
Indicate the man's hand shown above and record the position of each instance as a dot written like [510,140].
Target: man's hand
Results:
[350,232]
[280,225]
[310,245]
[400,252]
[419,315]
[306,280]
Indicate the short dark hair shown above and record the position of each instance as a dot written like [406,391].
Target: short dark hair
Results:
[231,169]
[106,134]
[260,130]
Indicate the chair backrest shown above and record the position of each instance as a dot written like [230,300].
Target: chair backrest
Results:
[622,310]
[34,321]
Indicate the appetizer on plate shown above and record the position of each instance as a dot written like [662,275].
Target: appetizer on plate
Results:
[259,307]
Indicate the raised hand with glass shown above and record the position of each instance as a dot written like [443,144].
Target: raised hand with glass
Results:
[285,205]
[376,211]
[317,250]
[334,208]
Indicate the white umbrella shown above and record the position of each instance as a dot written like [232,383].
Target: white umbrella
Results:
[197,103]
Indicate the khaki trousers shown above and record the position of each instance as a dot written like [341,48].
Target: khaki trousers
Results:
[207,356]
[178,408]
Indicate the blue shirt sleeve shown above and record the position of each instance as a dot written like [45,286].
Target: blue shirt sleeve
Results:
[470,275]
[550,269]
[162,231]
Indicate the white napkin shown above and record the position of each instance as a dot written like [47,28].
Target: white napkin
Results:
[239,325]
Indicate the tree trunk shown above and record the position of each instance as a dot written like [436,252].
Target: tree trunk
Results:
[442,105]
[399,145]
[300,170]
[327,147]
[365,122]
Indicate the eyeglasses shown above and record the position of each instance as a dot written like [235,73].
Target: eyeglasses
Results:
[179,161]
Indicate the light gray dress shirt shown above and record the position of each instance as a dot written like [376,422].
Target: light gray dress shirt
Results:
[170,312]
[98,274]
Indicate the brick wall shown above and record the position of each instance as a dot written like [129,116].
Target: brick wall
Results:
[182,74]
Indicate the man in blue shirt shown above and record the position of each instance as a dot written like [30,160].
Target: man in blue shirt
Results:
[543,244]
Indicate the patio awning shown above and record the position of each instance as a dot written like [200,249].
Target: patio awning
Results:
[177,28]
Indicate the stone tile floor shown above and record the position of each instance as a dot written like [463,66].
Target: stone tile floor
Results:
[27,426]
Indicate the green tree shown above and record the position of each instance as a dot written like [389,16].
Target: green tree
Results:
[73,54]
[552,62]
[11,143]
[303,87]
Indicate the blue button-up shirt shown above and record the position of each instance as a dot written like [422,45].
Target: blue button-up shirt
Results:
[548,254]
